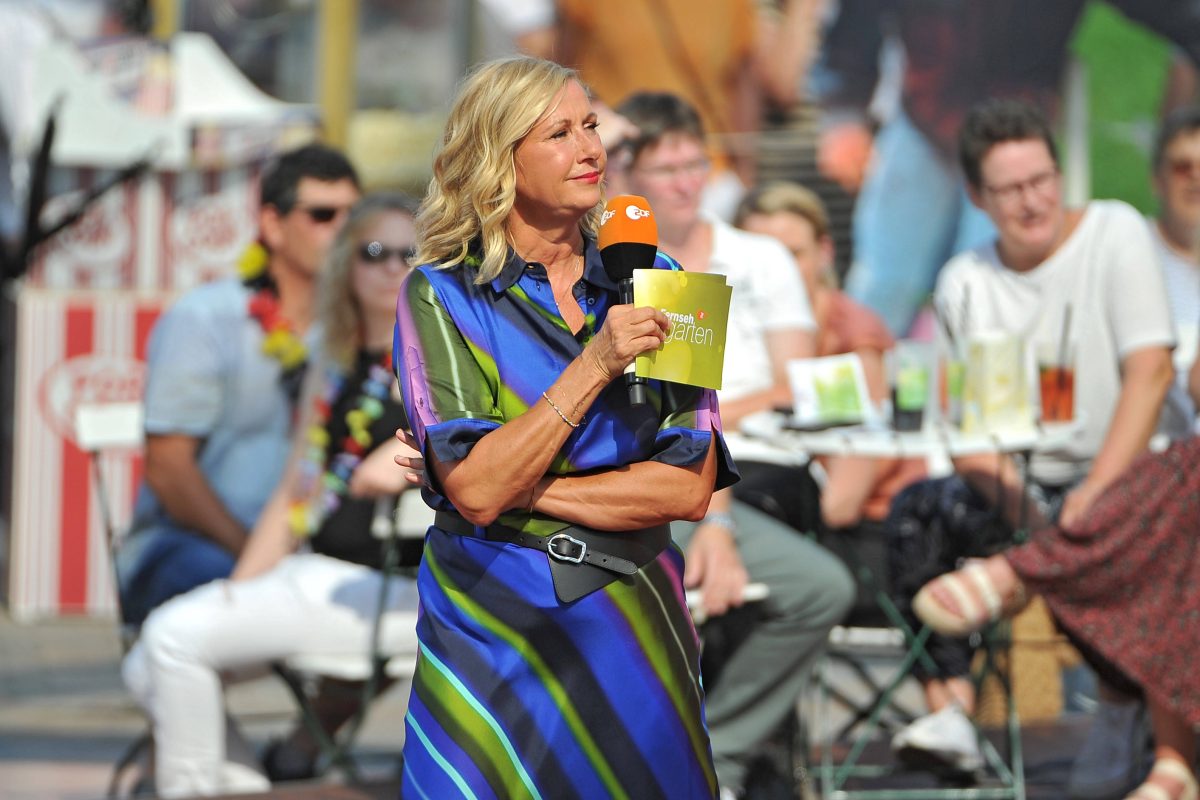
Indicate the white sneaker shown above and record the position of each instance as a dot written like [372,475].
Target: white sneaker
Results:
[1115,755]
[944,738]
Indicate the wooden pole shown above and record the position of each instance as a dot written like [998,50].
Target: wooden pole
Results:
[337,39]
[166,18]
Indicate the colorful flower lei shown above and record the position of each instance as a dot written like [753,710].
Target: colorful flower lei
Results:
[252,264]
[280,341]
[324,475]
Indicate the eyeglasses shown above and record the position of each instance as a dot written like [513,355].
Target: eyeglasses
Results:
[1183,167]
[322,215]
[1010,193]
[377,253]
[688,169]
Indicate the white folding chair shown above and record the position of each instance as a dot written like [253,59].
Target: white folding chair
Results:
[102,430]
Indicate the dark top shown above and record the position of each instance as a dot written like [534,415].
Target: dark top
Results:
[961,52]
[346,532]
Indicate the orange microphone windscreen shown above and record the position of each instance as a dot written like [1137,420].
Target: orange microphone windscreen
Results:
[628,218]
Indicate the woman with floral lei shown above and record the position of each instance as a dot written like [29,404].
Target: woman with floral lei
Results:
[222,369]
[281,603]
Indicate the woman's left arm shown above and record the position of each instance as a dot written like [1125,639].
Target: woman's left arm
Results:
[1146,376]
[271,538]
[634,496]
[377,475]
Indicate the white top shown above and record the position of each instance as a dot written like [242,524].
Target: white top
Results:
[1182,278]
[520,16]
[1108,271]
[768,295]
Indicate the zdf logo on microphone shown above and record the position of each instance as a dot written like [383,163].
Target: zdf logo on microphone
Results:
[607,215]
[635,213]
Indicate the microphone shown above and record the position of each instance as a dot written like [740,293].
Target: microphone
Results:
[628,240]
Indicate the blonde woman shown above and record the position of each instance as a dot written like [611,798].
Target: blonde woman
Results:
[557,656]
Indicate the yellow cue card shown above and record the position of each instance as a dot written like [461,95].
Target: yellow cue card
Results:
[697,304]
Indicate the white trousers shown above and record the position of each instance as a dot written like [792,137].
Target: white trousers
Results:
[307,604]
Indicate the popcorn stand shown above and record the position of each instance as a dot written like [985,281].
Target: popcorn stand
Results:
[93,292]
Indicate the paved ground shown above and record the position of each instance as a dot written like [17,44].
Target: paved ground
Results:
[65,719]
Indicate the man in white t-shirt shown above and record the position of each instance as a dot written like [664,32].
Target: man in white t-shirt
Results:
[770,322]
[1176,233]
[1098,261]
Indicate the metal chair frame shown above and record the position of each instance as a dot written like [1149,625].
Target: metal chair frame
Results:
[1009,770]
[99,429]
[833,776]
[373,671]
[119,426]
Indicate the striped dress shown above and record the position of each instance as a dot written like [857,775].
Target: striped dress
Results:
[516,694]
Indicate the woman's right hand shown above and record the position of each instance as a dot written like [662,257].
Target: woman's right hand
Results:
[627,332]
[410,458]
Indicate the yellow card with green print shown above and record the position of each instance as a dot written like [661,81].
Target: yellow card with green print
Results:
[697,304]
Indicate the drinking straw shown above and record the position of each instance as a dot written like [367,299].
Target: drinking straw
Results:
[1062,351]
[940,315]
[964,323]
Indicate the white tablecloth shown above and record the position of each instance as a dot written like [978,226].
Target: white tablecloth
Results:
[937,441]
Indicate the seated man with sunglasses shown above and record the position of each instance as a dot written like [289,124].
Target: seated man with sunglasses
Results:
[223,372]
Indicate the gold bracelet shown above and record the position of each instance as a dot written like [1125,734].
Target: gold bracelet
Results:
[560,413]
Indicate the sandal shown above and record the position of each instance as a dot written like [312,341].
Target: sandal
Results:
[1173,771]
[978,601]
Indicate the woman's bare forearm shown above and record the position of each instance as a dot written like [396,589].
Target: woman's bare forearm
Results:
[634,496]
[271,538]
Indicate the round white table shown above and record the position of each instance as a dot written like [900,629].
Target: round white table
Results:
[937,440]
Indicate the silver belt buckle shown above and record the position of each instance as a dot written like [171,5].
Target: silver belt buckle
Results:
[568,540]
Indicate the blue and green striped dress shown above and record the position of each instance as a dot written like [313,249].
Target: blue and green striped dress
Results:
[516,694]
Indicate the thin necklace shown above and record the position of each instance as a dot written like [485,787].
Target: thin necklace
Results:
[574,279]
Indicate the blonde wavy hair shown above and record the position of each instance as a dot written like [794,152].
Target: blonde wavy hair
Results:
[474,173]
[337,307]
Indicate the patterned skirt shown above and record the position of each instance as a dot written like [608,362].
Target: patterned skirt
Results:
[1126,580]
[518,695]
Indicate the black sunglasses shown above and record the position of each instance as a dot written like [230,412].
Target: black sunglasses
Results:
[377,253]
[322,214]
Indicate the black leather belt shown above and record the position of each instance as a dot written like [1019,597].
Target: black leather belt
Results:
[581,559]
